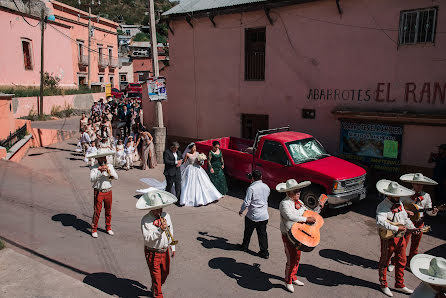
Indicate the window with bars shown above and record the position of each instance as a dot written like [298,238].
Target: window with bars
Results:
[27,60]
[255,40]
[418,26]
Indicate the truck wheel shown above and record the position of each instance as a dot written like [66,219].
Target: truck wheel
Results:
[310,197]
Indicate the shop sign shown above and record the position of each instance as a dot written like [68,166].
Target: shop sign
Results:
[375,145]
[157,89]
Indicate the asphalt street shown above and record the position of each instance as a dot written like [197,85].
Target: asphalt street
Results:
[46,204]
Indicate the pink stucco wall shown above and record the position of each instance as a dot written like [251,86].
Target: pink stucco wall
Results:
[23,106]
[7,124]
[13,72]
[309,46]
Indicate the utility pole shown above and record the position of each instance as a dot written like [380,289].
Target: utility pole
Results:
[159,130]
[42,37]
[89,45]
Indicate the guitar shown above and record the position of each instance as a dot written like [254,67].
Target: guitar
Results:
[307,236]
[417,210]
[388,234]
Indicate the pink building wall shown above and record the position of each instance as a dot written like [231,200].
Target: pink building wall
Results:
[56,61]
[306,50]
[105,34]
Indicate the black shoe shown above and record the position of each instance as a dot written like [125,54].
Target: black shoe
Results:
[242,247]
[264,255]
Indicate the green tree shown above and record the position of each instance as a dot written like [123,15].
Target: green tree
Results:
[141,37]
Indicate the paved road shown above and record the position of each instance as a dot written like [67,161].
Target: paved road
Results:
[46,206]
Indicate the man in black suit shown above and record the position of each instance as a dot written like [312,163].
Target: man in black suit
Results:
[172,162]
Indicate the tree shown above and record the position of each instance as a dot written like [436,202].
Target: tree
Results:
[141,37]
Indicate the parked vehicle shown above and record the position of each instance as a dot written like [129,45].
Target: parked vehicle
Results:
[116,93]
[281,154]
[133,87]
[135,95]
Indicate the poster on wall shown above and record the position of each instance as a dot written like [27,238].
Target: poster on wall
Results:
[373,144]
[157,88]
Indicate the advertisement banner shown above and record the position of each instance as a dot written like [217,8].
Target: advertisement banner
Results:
[108,88]
[373,144]
[157,89]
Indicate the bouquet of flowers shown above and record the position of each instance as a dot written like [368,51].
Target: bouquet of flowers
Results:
[201,158]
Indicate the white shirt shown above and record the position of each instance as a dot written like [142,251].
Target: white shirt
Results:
[85,138]
[101,180]
[290,215]
[424,204]
[384,213]
[154,237]
[256,200]
[176,157]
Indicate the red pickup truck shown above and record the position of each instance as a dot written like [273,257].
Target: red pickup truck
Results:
[281,154]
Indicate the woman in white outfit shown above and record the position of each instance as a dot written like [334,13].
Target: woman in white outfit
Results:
[196,187]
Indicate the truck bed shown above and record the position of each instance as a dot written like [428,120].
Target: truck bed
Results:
[227,143]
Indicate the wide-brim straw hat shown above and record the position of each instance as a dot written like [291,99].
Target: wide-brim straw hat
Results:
[290,185]
[155,199]
[418,178]
[102,152]
[429,269]
[393,189]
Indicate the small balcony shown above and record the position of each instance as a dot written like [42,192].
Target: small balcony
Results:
[103,62]
[83,60]
[113,63]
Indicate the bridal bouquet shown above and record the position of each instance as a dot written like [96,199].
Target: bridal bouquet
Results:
[201,158]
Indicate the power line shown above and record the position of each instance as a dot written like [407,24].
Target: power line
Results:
[24,17]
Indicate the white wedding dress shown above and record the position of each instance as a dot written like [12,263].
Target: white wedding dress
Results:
[196,187]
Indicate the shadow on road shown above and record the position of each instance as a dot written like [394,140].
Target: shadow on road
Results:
[112,285]
[439,251]
[329,278]
[70,220]
[72,158]
[215,242]
[247,276]
[347,259]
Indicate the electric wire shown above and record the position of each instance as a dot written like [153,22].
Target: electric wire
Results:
[24,17]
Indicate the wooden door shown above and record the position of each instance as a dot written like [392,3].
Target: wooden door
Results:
[251,123]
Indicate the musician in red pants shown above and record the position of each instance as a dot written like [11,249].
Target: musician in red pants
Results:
[390,215]
[291,211]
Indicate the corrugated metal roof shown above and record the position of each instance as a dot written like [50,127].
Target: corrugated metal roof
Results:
[189,6]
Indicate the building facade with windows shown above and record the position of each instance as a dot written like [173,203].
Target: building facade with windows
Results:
[367,80]
[20,50]
[103,45]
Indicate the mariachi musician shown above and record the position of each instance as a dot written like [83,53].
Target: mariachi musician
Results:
[291,211]
[391,216]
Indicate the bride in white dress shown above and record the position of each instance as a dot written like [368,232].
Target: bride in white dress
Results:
[196,187]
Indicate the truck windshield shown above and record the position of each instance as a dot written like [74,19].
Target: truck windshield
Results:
[306,150]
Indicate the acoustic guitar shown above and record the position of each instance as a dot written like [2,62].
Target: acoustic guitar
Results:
[417,210]
[388,234]
[307,236]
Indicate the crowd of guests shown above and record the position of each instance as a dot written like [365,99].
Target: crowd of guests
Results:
[117,125]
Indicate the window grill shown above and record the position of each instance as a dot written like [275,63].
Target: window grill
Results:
[255,40]
[418,26]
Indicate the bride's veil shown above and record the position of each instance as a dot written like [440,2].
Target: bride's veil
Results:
[187,150]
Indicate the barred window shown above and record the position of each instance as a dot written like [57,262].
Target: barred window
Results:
[418,26]
[27,54]
[255,40]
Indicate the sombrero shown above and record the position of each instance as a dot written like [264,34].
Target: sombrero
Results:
[393,189]
[429,269]
[101,153]
[418,178]
[155,199]
[290,185]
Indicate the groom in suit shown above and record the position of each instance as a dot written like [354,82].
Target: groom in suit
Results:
[172,163]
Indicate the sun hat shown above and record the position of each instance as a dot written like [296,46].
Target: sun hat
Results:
[155,199]
[418,178]
[393,189]
[290,185]
[101,153]
[429,269]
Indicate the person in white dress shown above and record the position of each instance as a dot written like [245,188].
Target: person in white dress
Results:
[120,154]
[129,153]
[91,150]
[196,187]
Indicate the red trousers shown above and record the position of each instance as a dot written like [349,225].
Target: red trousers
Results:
[416,239]
[389,247]
[292,260]
[100,197]
[159,265]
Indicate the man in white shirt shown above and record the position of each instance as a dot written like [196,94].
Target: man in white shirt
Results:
[84,140]
[101,176]
[391,215]
[291,211]
[256,201]
[157,230]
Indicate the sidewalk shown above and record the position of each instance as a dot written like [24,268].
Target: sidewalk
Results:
[22,276]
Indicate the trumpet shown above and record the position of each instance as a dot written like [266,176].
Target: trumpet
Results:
[168,233]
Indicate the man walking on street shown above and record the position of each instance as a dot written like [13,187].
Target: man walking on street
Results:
[256,201]
[172,172]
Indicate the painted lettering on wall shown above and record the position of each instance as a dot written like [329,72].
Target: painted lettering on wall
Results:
[426,93]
